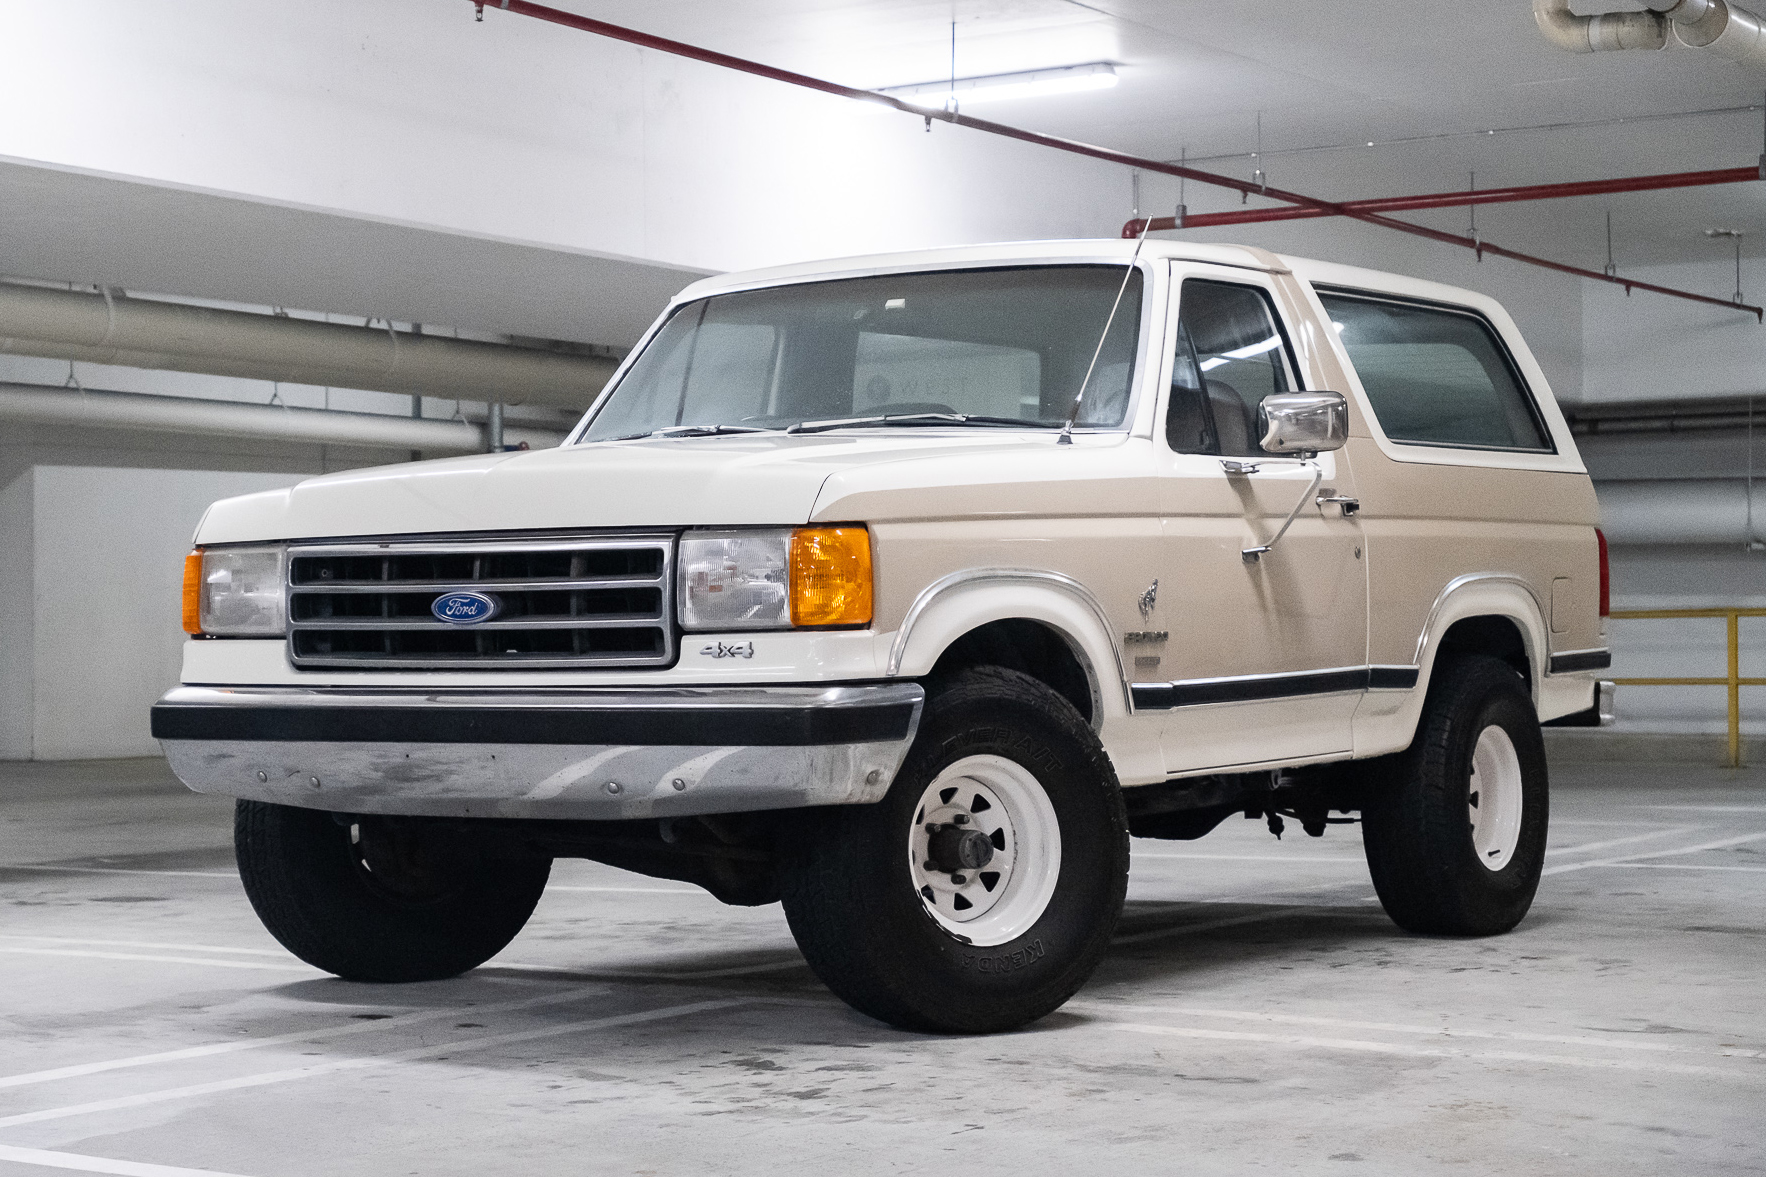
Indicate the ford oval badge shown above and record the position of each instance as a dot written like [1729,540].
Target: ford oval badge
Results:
[465,608]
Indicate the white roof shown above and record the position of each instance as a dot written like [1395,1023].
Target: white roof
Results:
[1097,249]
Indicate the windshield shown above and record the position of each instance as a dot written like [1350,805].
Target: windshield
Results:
[1004,346]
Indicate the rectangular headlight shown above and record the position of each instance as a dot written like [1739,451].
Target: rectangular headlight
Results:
[775,579]
[734,580]
[235,592]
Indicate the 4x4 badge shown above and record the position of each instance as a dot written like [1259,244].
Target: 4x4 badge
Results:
[728,650]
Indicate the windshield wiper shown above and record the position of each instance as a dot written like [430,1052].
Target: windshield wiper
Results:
[686,431]
[915,419]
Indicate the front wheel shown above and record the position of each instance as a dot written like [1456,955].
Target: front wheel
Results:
[982,891]
[1455,827]
[377,899]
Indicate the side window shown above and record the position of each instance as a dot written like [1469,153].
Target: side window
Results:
[1435,376]
[1230,355]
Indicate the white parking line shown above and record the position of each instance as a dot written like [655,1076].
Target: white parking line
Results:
[1611,842]
[1108,1008]
[1358,1045]
[210,962]
[84,1164]
[1253,857]
[319,1035]
[631,890]
[1719,844]
[1682,866]
[459,1046]
[279,953]
[118,870]
[1228,922]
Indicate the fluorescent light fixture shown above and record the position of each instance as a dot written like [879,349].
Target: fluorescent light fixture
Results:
[1066,79]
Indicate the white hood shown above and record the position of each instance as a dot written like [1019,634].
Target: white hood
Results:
[768,479]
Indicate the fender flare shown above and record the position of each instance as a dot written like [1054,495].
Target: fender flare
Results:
[1487,594]
[964,601]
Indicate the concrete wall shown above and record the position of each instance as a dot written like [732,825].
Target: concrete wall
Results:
[97,552]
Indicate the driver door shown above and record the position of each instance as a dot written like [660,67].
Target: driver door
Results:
[1263,661]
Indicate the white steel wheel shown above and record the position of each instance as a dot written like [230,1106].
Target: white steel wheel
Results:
[1494,798]
[985,849]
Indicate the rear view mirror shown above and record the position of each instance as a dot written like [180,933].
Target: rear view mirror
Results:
[1302,422]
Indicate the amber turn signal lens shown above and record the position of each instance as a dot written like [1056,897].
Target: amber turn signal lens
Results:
[830,576]
[193,592]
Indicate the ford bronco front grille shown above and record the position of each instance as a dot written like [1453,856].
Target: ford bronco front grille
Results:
[602,601]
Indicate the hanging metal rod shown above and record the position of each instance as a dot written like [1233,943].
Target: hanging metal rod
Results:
[1072,146]
[1387,204]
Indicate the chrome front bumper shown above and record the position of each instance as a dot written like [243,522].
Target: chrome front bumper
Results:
[584,754]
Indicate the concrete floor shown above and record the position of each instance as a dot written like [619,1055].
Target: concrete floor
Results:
[1259,1012]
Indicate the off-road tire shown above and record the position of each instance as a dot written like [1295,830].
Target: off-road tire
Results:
[1415,826]
[314,891]
[851,900]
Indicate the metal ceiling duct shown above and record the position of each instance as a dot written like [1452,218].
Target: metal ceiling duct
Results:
[68,408]
[1723,28]
[1680,511]
[109,328]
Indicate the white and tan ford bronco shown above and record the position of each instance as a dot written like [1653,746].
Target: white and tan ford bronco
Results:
[904,590]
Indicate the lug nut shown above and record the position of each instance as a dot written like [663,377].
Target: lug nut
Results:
[263,776]
[613,786]
[679,784]
[961,819]
[959,880]
[313,781]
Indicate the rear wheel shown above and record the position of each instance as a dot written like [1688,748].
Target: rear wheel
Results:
[1455,827]
[982,891]
[378,899]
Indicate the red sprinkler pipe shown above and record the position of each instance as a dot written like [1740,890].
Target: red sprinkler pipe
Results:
[1071,146]
[1388,204]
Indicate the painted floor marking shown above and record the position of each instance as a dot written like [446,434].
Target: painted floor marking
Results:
[279,953]
[1683,866]
[1253,857]
[1108,1008]
[630,890]
[292,1074]
[1228,922]
[690,975]
[1719,844]
[210,962]
[1366,1046]
[1611,842]
[118,870]
[85,1164]
[316,1035]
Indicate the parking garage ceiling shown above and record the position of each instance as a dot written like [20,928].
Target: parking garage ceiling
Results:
[1424,80]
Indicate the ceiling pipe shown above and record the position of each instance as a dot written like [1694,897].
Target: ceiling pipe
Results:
[110,328]
[1091,151]
[35,404]
[1385,204]
[1681,511]
[1724,28]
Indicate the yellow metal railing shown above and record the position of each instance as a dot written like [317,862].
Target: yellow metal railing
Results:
[1734,681]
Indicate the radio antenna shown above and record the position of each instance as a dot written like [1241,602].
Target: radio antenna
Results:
[1066,437]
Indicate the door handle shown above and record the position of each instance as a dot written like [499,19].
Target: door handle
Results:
[1350,505]
[1253,555]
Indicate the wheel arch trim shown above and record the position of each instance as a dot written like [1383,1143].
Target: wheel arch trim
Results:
[1487,594]
[1070,609]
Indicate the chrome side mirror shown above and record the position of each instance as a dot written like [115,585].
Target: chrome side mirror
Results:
[1302,422]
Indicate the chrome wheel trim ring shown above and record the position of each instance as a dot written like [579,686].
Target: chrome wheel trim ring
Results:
[1004,801]
[1495,797]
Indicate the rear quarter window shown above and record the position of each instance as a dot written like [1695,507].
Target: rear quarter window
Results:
[1435,375]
